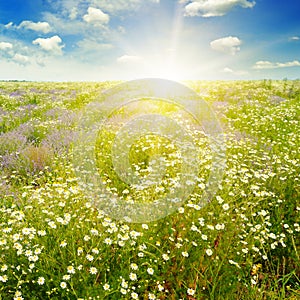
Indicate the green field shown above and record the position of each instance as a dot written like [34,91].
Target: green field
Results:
[56,243]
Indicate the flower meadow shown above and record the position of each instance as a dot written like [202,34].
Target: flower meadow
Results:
[56,243]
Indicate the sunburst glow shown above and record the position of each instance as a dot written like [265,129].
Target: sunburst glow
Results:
[182,39]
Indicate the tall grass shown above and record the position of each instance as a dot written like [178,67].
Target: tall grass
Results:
[55,243]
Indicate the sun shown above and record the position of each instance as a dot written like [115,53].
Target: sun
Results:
[169,72]
[165,69]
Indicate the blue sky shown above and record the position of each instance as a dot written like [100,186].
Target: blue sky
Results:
[78,40]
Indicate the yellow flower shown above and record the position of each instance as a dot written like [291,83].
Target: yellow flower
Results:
[255,269]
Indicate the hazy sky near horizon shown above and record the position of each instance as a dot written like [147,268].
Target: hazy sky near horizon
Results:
[79,40]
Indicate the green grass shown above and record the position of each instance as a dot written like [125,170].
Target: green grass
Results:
[55,243]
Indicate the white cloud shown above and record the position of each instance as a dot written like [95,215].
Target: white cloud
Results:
[96,16]
[233,72]
[120,5]
[129,59]
[8,25]
[5,46]
[65,6]
[227,70]
[214,8]
[50,44]
[264,64]
[73,14]
[21,59]
[39,26]
[229,44]
[92,45]
[66,27]
[294,38]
